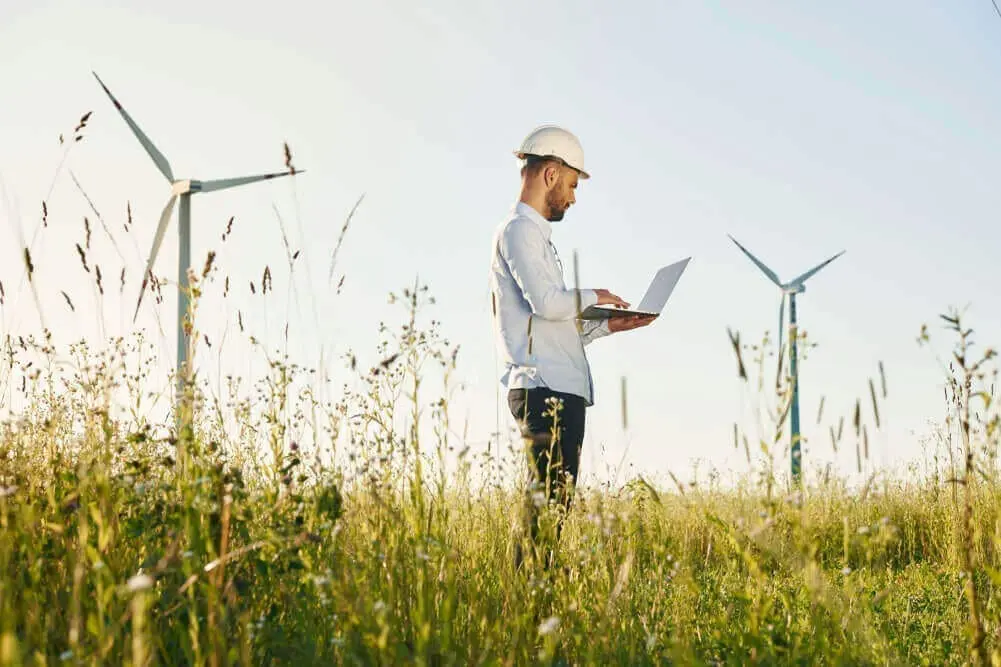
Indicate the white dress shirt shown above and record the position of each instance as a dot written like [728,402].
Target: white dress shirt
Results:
[534,314]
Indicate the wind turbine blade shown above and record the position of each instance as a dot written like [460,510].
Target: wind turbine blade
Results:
[814,270]
[161,229]
[768,272]
[224,183]
[156,155]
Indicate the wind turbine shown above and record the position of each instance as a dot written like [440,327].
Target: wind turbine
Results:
[180,189]
[790,290]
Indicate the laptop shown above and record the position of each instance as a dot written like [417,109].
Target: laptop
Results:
[657,294]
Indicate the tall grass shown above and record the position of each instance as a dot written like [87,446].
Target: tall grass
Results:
[283,528]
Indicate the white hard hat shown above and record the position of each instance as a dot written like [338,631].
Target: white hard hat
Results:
[554,141]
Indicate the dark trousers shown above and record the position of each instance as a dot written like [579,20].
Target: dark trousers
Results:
[553,461]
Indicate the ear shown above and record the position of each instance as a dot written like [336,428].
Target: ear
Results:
[551,174]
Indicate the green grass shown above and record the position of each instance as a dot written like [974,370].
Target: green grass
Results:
[119,547]
[286,529]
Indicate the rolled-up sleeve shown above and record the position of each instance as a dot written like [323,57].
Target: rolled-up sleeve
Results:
[522,245]
[592,330]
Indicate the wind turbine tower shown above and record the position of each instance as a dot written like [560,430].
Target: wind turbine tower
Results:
[790,290]
[181,189]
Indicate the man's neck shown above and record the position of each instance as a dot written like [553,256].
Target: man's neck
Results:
[536,201]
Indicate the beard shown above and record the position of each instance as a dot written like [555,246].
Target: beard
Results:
[557,208]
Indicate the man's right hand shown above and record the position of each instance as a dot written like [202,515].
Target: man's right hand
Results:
[606,298]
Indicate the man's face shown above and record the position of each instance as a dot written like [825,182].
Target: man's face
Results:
[560,195]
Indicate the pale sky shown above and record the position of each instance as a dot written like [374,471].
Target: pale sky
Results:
[802,129]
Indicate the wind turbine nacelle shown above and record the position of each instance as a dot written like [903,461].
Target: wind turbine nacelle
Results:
[794,289]
[185,186]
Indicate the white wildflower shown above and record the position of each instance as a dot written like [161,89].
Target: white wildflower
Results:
[549,626]
[140,582]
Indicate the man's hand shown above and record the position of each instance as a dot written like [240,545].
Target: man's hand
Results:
[606,298]
[617,324]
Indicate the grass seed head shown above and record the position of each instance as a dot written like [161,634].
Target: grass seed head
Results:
[28,264]
[83,258]
[209,259]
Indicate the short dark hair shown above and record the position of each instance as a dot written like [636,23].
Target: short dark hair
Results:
[533,163]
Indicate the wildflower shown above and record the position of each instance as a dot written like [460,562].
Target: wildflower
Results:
[549,626]
[140,582]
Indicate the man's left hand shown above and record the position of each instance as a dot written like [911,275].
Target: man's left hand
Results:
[617,324]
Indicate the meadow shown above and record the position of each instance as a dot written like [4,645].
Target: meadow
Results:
[238,539]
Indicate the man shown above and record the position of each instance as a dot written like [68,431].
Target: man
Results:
[539,334]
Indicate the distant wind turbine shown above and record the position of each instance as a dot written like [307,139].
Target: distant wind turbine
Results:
[183,189]
[790,289]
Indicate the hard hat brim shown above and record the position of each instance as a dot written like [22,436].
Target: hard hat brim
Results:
[521,155]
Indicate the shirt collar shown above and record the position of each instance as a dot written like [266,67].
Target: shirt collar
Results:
[524,209]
